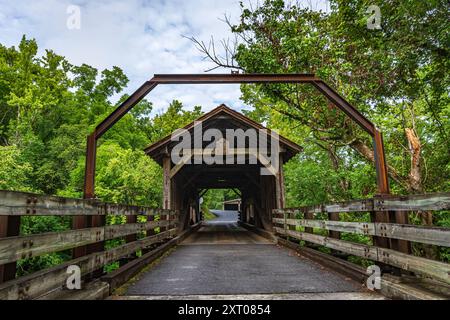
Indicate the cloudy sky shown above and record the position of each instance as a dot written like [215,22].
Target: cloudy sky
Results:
[143,37]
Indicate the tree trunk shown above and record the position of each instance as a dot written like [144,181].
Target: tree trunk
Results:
[343,183]
[415,179]
[415,183]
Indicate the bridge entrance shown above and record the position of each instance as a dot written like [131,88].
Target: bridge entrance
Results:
[224,149]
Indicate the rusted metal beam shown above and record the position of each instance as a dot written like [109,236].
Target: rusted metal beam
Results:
[126,106]
[380,163]
[345,106]
[326,90]
[382,183]
[89,181]
[232,78]
[81,222]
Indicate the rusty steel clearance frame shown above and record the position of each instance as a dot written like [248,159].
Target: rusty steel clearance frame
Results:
[139,94]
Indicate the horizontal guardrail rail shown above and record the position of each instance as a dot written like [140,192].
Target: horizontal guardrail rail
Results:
[14,248]
[429,235]
[287,226]
[26,204]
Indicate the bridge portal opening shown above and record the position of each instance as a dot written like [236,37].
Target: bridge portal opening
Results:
[224,149]
[221,205]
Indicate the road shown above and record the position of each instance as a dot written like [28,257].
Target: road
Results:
[225,261]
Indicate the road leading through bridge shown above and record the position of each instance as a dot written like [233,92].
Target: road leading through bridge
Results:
[225,261]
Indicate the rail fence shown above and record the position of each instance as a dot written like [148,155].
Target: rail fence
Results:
[308,224]
[14,205]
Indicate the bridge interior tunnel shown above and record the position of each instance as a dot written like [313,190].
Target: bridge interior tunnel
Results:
[257,193]
[238,164]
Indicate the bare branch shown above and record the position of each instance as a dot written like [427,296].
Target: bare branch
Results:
[210,53]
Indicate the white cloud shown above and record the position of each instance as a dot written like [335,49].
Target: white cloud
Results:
[141,37]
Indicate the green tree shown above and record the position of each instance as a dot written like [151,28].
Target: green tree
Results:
[174,118]
[397,76]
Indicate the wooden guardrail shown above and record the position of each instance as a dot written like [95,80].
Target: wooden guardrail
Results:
[14,248]
[287,225]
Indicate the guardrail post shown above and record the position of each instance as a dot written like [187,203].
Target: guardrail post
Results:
[334,216]
[382,183]
[380,217]
[380,241]
[99,220]
[81,222]
[403,246]
[308,216]
[400,217]
[9,227]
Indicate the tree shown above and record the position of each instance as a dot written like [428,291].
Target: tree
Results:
[14,171]
[174,118]
[396,76]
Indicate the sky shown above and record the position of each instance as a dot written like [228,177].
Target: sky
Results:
[142,37]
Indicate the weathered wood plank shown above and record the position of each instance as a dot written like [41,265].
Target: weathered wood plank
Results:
[356,249]
[430,268]
[15,248]
[420,202]
[14,203]
[347,206]
[96,290]
[350,206]
[342,226]
[41,282]
[423,234]
[21,203]
[167,183]
[119,209]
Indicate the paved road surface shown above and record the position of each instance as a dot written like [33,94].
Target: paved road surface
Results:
[224,216]
[225,260]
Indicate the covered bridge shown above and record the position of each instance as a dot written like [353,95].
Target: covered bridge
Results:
[186,180]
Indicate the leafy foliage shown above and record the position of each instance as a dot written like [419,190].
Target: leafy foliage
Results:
[48,107]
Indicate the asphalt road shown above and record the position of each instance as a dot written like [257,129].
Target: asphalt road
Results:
[224,216]
[225,259]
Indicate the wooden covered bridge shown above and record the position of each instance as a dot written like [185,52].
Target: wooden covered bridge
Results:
[186,181]
[264,251]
